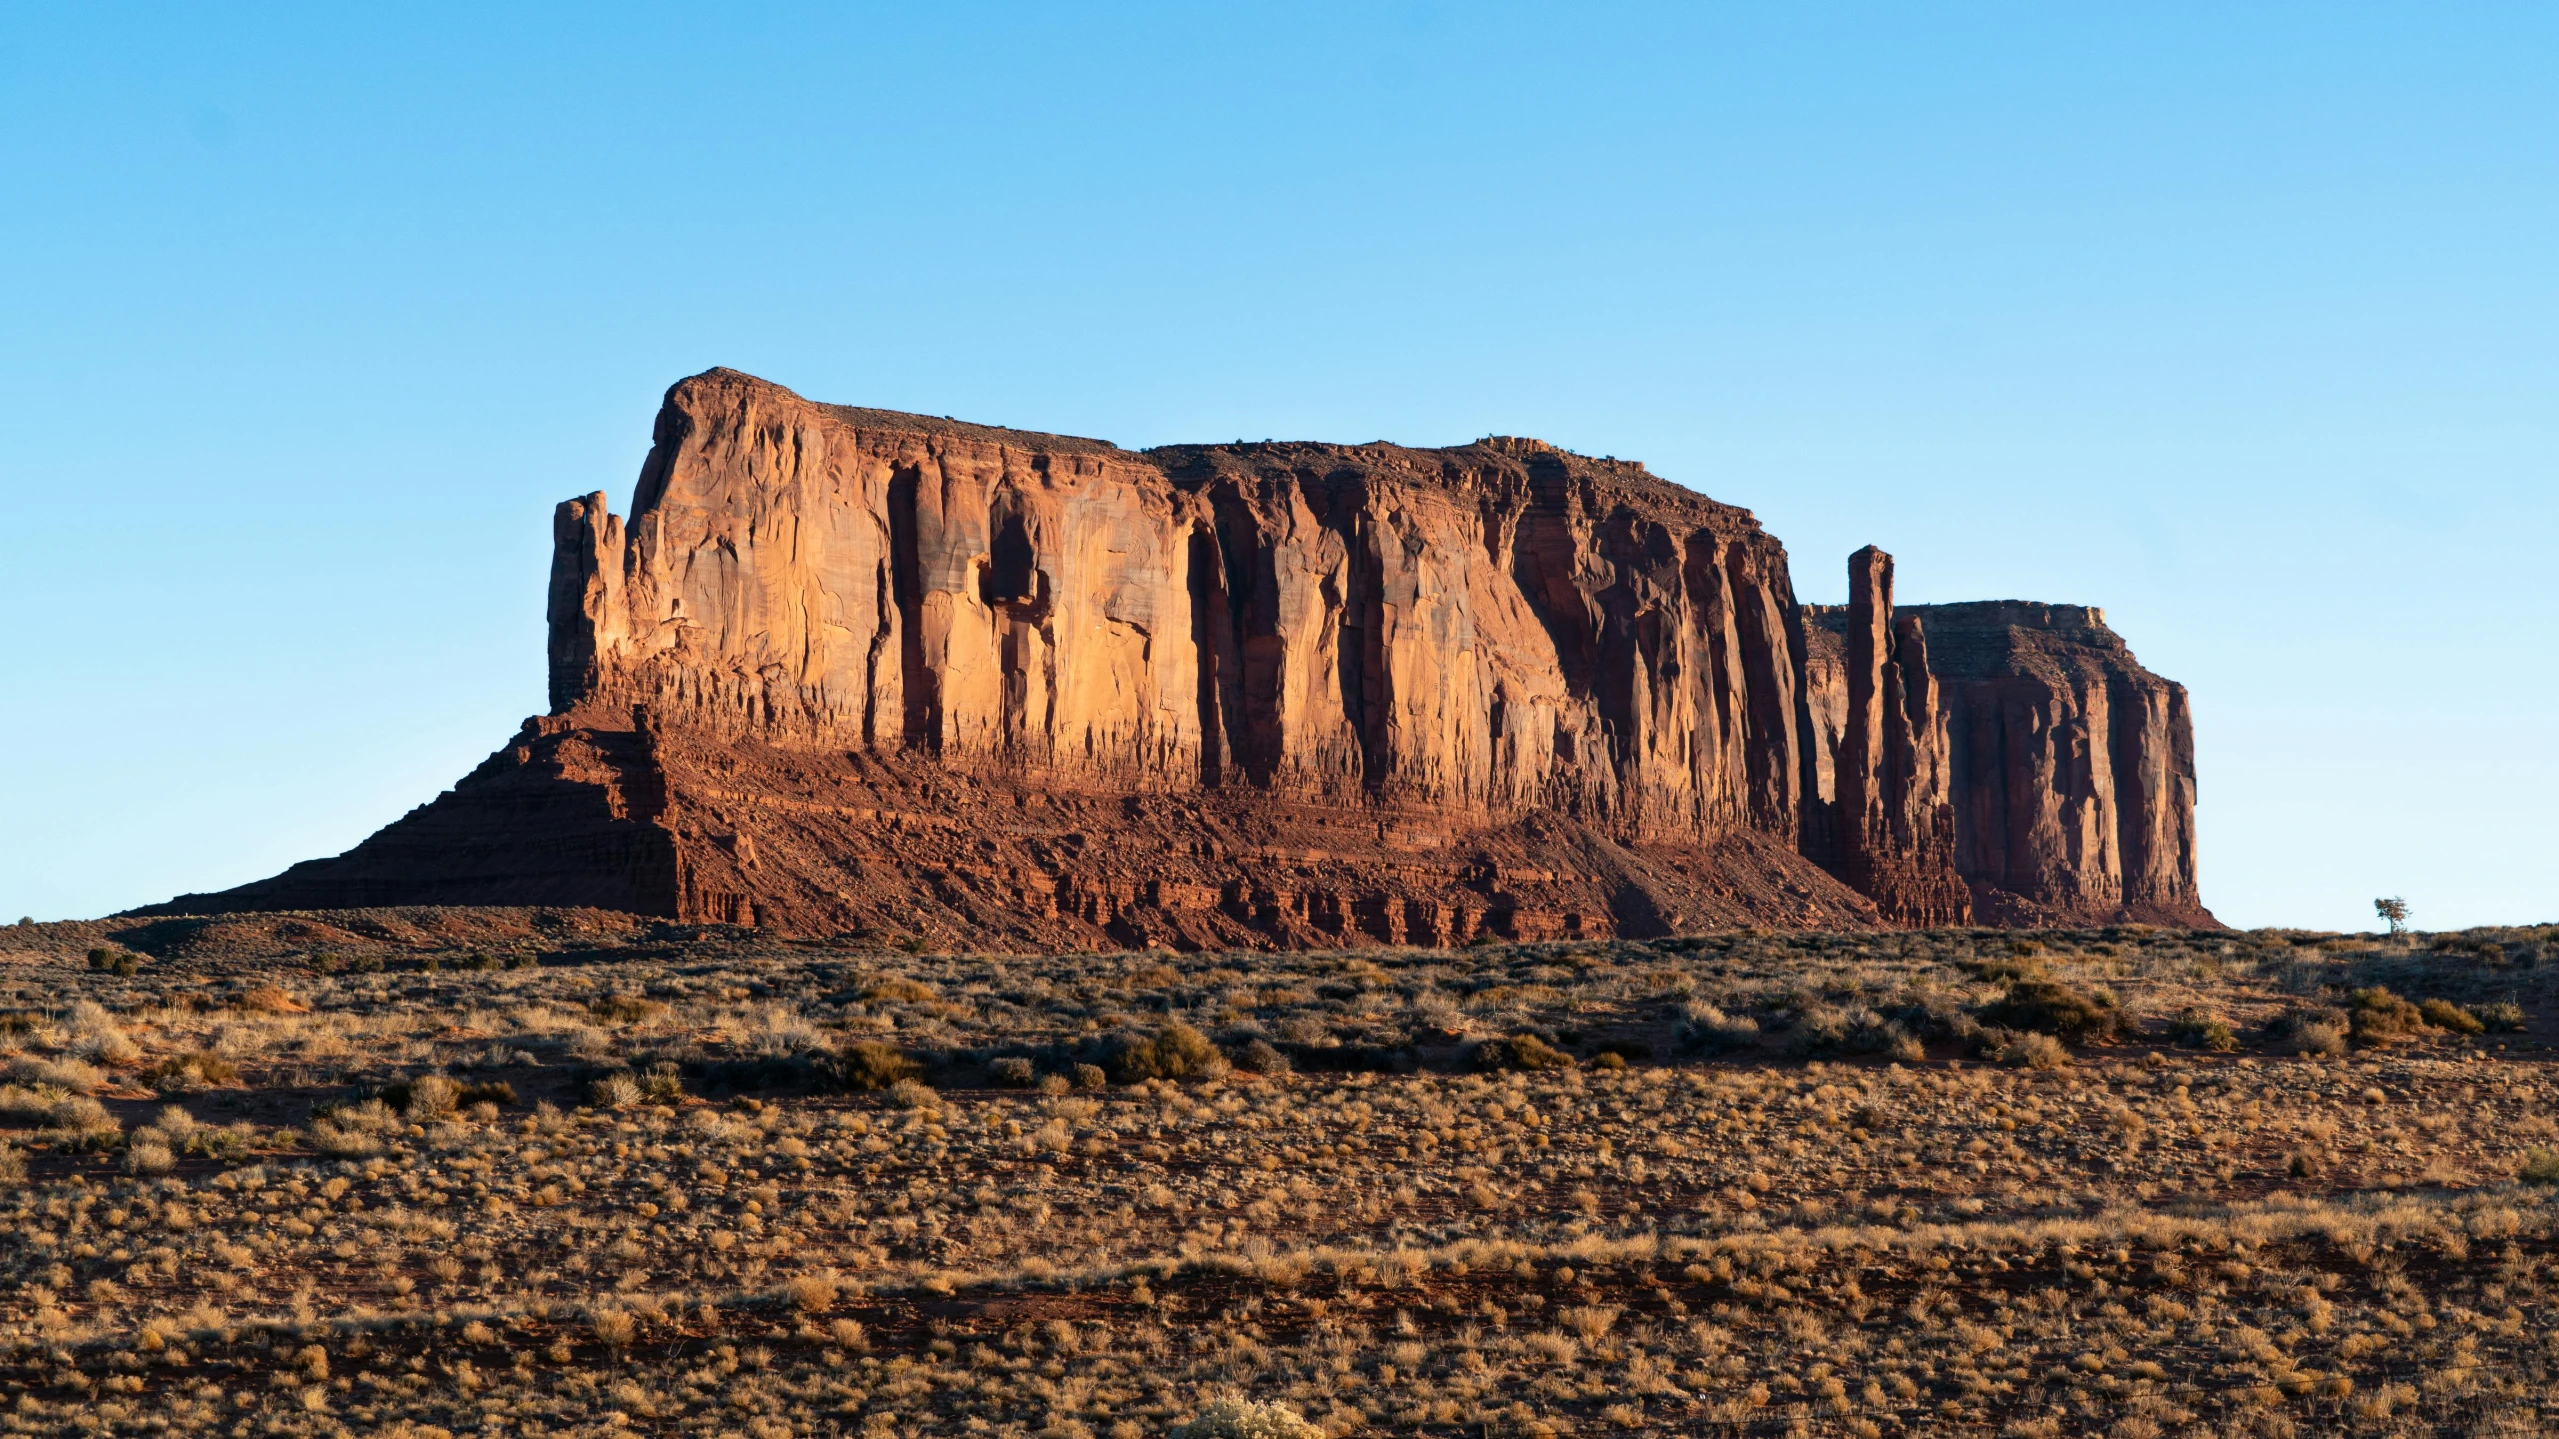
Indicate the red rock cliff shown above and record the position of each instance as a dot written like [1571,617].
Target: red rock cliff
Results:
[852,670]
[2073,767]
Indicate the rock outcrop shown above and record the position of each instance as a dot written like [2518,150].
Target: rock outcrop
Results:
[850,670]
[2073,767]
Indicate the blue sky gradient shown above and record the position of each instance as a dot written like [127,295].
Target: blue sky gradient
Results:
[2241,322]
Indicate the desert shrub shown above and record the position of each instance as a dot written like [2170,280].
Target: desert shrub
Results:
[13,1166]
[497,1092]
[1872,1033]
[1013,1072]
[2317,1030]
[429,1096]
[2540,1166]
[910,1094]
[1608,1059]
[1818,1029]
[229,1142]
[625,1009]
[1054,1085]
[2201,1029]
[2444,1014]
[1173,1051]
[352,1131]
[270,999]
[2315,1037]
[2047,1007]
[1935,1014]
[614,1089]
[2026,1049]
[869,1065]
[812,1293]
[2375,1016]
[174,1128]
[79,1122]
[64,1074]
[1236,1418]
[1358,1059]
[106,1044]
[113,961]
[2012,968]
[1705,1029]
[771,1071]
[1090,1076]
[660,1083]
[2503,1016]
[184,1073]
[145,1155]
[1520,1051]
[898,990]
[1257,1056]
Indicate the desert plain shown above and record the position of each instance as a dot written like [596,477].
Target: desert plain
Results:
[555,1171]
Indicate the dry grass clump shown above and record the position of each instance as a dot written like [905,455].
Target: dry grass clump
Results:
[270,999]
[2027,1049]
[1522,1052]
[68,1076]
[870,1065]
[1172,1050]
[2445,1015]
[2319,1031]
[1237,1418]
[1704,1028]
[69,1120]
[898,989]
[2045,1007]
[2202,1029]
[2375,1016]
[187,1073]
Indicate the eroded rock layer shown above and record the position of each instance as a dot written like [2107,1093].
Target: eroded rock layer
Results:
[850,670]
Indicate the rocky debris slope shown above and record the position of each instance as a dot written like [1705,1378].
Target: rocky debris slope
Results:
[849,670]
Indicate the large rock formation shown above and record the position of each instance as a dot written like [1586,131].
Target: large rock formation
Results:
[2073,767]
[853,670]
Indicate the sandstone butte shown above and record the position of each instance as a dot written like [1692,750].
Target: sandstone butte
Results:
[848,671]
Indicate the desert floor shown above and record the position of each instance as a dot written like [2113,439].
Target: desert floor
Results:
[515,1172]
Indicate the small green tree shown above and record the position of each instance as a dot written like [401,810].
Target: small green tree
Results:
[2395,911]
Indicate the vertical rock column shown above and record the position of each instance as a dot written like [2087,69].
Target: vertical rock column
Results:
[1896,825]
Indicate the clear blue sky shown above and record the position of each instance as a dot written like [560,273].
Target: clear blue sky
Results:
[2241,321]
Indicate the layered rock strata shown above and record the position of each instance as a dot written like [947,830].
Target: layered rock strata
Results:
[853,670]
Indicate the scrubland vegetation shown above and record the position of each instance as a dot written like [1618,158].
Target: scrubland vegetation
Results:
[516,1175]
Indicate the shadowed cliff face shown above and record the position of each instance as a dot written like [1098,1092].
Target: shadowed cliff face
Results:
[848,669]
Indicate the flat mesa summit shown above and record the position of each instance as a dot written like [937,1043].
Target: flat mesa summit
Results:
[854,671]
